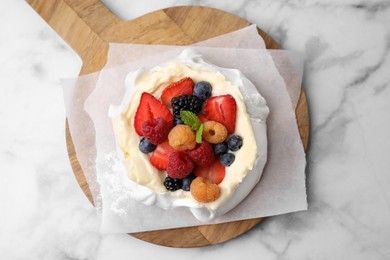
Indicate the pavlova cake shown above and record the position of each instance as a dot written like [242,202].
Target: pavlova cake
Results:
[189,134]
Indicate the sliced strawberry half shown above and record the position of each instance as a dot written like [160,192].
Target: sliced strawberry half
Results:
[159,158]
[178,88]
[149,108]
[215,172]
[223,110]
[202,118]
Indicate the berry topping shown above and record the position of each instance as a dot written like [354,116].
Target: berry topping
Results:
[172,184]
[204,190]
[223,110]
[220,148]
[187,182]
[186,102]
[180,165]
[155,130]
[178,88]
[177,121]
[149,107]
[202,90]
[159,158]
[203,155]
[145,146]
[182,138]
[234,142]
[214,132]
[227,159]
[215,172]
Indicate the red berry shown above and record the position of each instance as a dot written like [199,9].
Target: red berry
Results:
[202,118]
[180,165]
[149,107]
[223,110]
[178,88]
[203,155]
[215,172]
[155,130]
[159,158]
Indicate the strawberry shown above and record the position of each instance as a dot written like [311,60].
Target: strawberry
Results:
[215,172]
[202,118]
[178,88]
[223,110]
[159,158]
[149,108]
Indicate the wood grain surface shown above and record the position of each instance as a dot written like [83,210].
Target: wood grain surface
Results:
[88,26]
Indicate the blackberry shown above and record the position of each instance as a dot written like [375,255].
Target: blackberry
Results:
[172,184]
[186,102]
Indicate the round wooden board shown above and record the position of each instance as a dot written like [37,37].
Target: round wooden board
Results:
[171,26]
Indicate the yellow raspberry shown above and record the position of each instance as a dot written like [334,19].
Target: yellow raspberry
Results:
[204,190]
[214,132]
[182,138]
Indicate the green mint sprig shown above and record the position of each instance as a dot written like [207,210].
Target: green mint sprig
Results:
[199,134]
[189,118]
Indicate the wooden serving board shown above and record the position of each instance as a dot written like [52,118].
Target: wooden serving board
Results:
[88,26]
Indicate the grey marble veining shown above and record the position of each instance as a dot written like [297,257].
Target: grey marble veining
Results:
[346,44]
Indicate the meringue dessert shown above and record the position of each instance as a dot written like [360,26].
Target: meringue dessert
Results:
[190,135]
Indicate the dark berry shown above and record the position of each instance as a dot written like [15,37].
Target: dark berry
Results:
[155,130]
[227,159]
[187,182]
[234,142]
[172,184]
[145,146]
[220,148]
[186,102]
[202,90]
[177,121]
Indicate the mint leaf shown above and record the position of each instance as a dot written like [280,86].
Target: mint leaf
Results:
[189,118]
[199,134]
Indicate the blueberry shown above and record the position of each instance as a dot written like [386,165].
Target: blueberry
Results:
[202,90]
[145,146]
[177,121]
[227,159]
[220,148]
[187,182]
[234,142]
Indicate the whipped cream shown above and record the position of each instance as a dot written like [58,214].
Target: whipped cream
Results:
[239,179]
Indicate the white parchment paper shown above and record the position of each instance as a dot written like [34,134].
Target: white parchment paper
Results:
[282,187]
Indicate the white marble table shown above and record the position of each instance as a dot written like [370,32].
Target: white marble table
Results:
[45,215]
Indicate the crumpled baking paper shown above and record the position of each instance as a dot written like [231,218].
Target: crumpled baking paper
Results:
[282,186]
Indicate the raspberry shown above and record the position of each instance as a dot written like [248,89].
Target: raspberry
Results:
[155,130]
[203,155]
[179,165]
[204,190]
[182,138]
[214,132]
